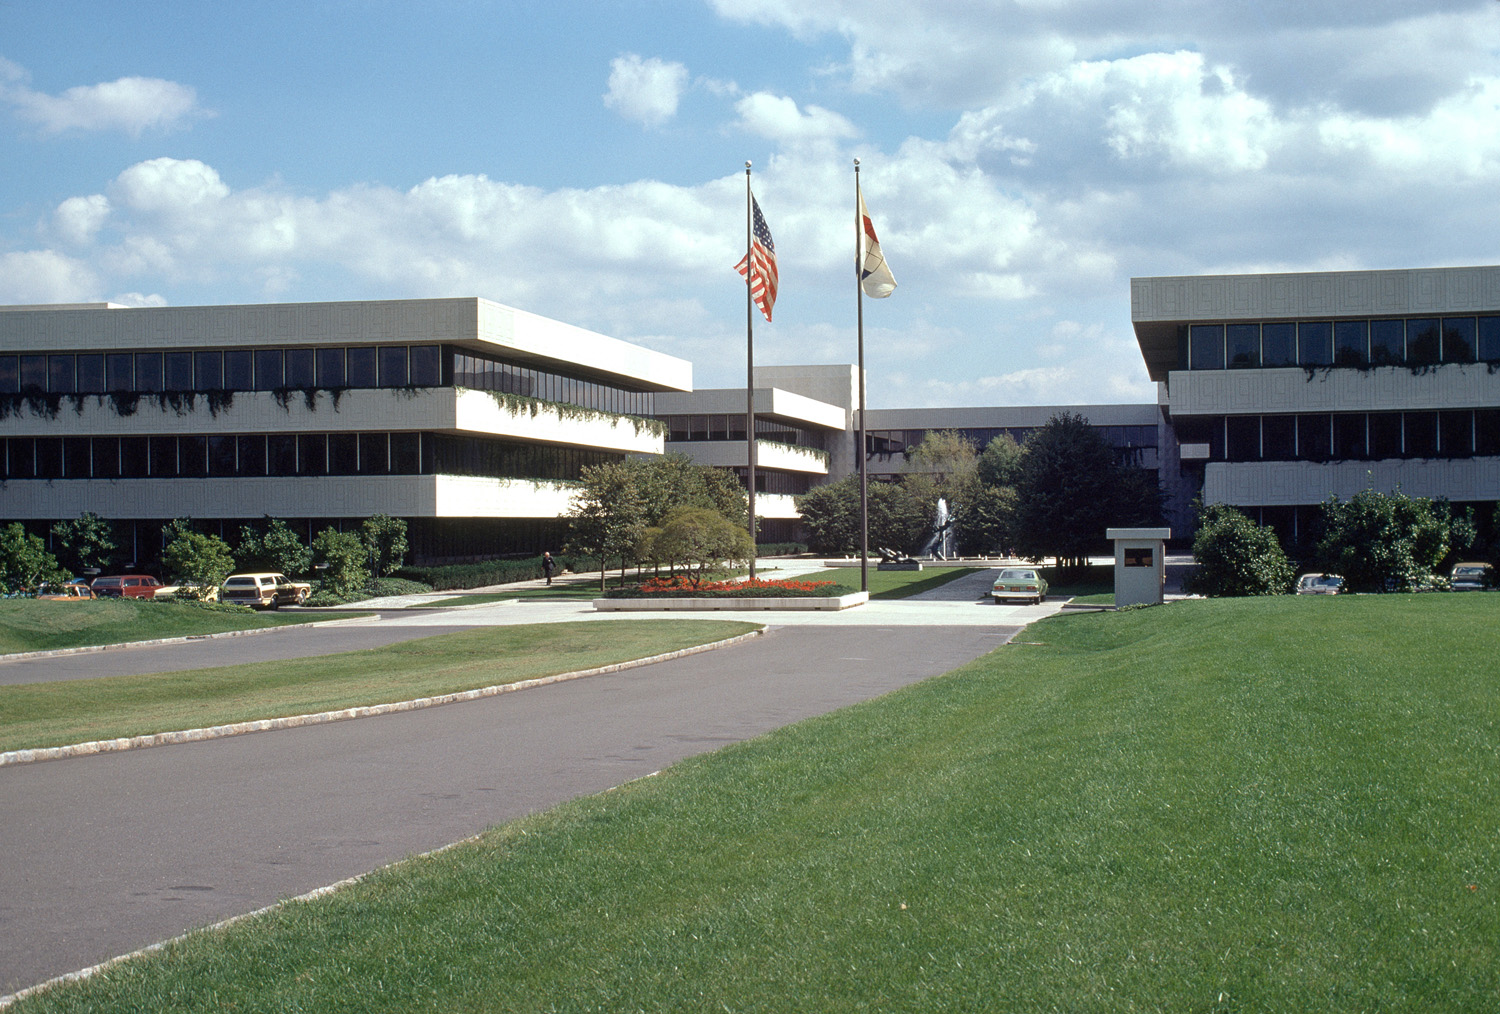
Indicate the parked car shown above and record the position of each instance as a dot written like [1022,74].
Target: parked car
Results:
[130,586]
[1470,576]
[1019,583]
[73,591]
[263,591]
[1320,584]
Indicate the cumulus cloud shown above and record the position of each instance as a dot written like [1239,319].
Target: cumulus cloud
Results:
[78,219]
[646,91]
[131,105]
[778,118]
[45,276]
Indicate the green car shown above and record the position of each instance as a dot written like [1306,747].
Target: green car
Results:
[1021,583]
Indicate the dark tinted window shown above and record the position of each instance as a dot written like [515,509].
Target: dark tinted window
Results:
[134,460]
[1314,437]
[281,454]
[406,453]
[77,454]
[60,374]
[1351,342]
[148,371]
[1278,344]
[299,368]
[1385,434]
[221,457]
[1387,342]
[208,371]
[91,374]
[362,367]
[1279,437]
[1244,438]
[374,454]
[330,367]
[1349,436]
[1487,432]
[1459,339]
[1207,348]
[1315,343]
[393,372]
[49,458]
[178,367]
[239,370]
[1456,434]
[1244,346]
[252,456]
[10,374]
[33,373]
[269,372]
[343,454]
[426,367]
[1422,342]
[1489,339]
[163,457]
[119,372]
[192,455]
[312,454]
[1421,434]
[106,452]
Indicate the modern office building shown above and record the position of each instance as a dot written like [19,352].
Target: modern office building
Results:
[1284,389]
[464,417]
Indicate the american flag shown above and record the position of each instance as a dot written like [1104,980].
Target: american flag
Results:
[760,262]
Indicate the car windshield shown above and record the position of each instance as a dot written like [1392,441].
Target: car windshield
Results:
[239,582]
[1018,575]
[1467,571]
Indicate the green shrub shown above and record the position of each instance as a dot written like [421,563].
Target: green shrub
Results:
[459,576]
[1390,542]
[1236,556]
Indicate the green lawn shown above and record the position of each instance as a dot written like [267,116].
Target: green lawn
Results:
[1212,806]
[32,625]
[77,711]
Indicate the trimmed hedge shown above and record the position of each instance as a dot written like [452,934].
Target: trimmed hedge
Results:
[780,549]
[459,576]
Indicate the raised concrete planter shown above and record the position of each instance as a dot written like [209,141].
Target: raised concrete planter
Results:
[903,565]
[811,602]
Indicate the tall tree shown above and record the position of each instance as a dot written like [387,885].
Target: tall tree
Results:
[608,515]
[86,542]
[24,560]
[385,542]
[1071,490]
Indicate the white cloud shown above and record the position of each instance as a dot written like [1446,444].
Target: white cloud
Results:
[130,104]
[45,276]
[646,91]
[778,118]
[78,219]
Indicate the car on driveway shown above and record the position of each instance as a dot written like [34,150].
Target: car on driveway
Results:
[1320,584]
[129,586]
[1470,576]
[73,591]
[263,591]
[1022,583]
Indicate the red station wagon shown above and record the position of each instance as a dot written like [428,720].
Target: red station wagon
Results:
[130,586]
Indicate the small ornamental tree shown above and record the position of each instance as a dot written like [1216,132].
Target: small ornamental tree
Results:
[24,560]
[342,556]
[699,538]
[280,548]
[385,542]
[86,542]
[987,520]
[198,563]
[1236,556]
[607,516]
[830,514]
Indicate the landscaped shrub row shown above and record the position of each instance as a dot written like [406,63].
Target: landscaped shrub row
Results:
[481,575]
[780,549]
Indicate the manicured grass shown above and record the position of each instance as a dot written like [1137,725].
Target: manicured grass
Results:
[76,711]
[891,584]
[1214,806]
[32,625]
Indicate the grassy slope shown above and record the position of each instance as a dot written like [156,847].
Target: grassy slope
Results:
[1226,806]
[76,711]
[31,625]
[890,584]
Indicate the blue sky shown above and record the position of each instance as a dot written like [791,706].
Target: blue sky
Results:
[1023,159]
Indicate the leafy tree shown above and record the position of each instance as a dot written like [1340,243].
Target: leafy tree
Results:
[1389,542]
[385,541]
[673,480]
[901,514]
[986,522]
[1072,489]
[948,457]
[1236,556]
[197,562]
[87,542]
[830,515]
[24,560]
[999,463]
[699,538]
[342,555]
[607,516]
[280,548]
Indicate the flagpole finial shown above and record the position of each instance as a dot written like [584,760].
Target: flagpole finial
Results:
[856,163]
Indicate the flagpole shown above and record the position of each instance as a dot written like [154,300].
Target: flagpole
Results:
[864,488]
[750,366]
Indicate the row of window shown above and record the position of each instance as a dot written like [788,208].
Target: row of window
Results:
[1403,341]
[1346,436]
[288,454]
[483,373]
[885,444]
[789,483]
[271,369]
[731,426]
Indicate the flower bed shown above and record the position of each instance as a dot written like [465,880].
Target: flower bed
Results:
[682,587]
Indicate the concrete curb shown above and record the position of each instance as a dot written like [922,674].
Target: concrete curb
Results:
[85,649]
[826,603]
[322,718]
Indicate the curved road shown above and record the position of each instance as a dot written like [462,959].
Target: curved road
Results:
[109,853]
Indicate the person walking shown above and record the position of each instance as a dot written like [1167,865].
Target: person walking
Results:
[548,565]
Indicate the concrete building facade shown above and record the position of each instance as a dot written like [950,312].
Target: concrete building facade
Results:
[1284,389]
